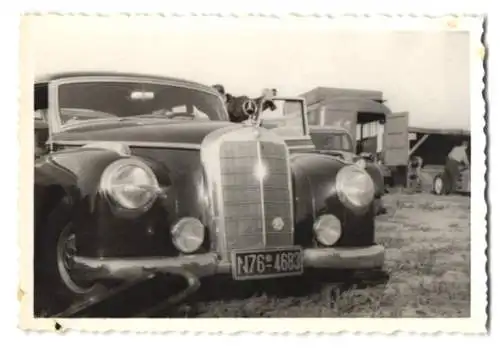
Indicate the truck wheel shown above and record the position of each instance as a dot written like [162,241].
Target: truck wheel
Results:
[55,288]
[439,186]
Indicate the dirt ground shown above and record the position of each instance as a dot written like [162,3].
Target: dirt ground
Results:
[427,263]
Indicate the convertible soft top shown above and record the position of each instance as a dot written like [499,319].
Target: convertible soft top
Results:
[69,74]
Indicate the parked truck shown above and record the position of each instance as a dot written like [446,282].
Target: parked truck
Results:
[376,128]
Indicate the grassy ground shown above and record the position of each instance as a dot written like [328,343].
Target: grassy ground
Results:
[428,242]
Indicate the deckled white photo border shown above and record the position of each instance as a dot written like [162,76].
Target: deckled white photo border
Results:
[475,324]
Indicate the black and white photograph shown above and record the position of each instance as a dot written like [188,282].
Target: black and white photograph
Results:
[251,167]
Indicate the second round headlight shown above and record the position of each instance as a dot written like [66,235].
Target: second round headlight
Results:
[188,234]
[328,229]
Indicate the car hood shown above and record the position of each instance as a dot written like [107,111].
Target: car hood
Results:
[187,132]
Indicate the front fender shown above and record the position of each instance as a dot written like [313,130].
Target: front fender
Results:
[100,230]
[71,174]
[314,177]
[378,178]
[314,183]
[314,191]
[371,168]
[83,165]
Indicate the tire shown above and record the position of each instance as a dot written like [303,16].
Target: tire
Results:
[54,287]
[439,185]
[379,207]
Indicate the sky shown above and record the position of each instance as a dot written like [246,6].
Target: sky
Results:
[423,72]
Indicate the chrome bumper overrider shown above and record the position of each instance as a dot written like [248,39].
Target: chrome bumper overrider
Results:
[209,264]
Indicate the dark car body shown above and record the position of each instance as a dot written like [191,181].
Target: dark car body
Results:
[206,175]
[337,142]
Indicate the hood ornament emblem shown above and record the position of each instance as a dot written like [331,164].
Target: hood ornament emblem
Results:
[250,109]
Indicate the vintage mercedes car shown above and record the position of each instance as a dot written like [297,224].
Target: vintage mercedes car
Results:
[145,174]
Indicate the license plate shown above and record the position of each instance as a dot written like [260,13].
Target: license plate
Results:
[255,264]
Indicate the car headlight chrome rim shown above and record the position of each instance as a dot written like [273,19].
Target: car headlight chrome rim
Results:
[188,234]
[328,229]
[355,188]
[131,184]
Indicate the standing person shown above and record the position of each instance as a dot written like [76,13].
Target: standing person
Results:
[415,173]
[457,157]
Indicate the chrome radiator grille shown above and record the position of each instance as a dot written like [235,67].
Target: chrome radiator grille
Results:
[250,205]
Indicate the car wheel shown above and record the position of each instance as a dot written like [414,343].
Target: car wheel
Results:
[55,287]
[439,185]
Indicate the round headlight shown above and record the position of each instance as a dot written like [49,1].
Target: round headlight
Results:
[130,183]
[328,229]
[355,187]
[188,234]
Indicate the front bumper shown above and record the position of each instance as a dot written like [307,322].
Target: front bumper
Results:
[205,265]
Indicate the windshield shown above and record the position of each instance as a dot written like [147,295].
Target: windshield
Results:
[86,101]
[332,141]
